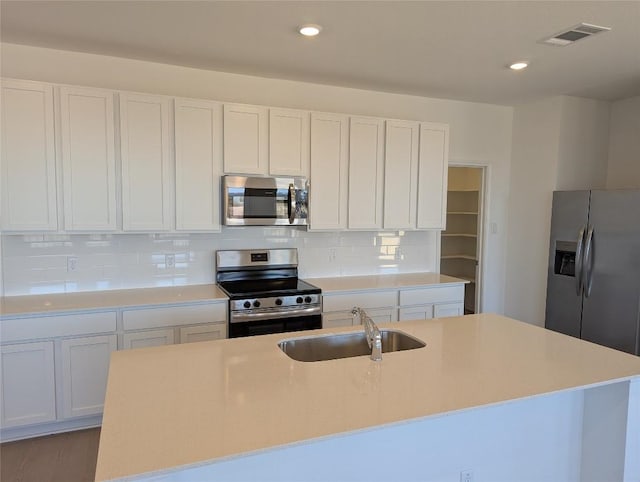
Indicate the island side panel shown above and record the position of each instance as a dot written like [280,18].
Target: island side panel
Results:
[610,433]
[530,440]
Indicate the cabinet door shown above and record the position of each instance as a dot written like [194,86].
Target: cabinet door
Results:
[28,157]
[144,339]
[27,386]
[288,142]
[146,168]
[366,144]
[424,312]
[85,366]
[198,135]
[88,159]
[400,174]
[192,334]
[334,320]
[383,315]
[432,176]
[329,176]
[246,141]
[450,309]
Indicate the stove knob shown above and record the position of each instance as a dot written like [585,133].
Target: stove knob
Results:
[307,299]
[299,299]
[247,304]
[256,304]
[278,301]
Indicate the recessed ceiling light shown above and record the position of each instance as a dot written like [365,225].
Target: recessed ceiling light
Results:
[519,65]
[310,30]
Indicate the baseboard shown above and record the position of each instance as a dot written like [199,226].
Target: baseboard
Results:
[18,433]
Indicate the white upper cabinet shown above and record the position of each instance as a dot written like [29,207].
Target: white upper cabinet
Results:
[432,175]
[198,138]
[400,174]
[329,172]
[147,201]
[88,159]
[366,147]
[246,139]
[28,157]
[288,142]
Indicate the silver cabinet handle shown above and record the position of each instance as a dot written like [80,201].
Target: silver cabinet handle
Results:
[588,259]
[579,264]
[292,203]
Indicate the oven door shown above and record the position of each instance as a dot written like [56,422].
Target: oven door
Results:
[267,326]
[264,201]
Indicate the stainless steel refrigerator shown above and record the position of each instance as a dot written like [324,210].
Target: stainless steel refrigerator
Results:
[593,289]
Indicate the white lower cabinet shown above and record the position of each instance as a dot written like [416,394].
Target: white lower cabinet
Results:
[142,339]
[434,302]
[449,309]
[85,366]
[27,386]
[385,306]
[215,331]
[54,369]
[379,305]
[424,312]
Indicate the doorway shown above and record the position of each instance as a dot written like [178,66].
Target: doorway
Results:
[461,242]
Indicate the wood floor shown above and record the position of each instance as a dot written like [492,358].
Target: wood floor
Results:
[66,457]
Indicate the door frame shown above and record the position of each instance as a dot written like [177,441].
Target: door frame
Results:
[483,217]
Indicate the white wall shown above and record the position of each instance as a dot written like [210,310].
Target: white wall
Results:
[559,143]
[584,144]
[624,145]
[480,133]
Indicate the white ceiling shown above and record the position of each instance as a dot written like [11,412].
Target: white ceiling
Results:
[452,49]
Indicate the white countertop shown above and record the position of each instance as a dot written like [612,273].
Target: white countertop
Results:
[28,305]
[12,306]
[177,405]
[383,281]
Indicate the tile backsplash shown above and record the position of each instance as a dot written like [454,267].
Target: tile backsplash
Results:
[58,263]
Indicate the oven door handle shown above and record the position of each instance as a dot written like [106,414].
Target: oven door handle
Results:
[239,317]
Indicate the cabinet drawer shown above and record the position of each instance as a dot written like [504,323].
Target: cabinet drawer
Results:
[422,296]
[173,316]
[55,326]
[342,302]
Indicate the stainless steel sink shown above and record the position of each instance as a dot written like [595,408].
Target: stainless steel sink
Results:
[346,345]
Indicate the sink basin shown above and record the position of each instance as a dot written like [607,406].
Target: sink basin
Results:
[346,345]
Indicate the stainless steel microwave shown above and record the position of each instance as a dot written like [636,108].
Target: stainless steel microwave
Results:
[264,201]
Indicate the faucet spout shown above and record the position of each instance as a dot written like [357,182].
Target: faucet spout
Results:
[372,333]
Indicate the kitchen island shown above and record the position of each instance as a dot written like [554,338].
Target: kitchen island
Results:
[503,399]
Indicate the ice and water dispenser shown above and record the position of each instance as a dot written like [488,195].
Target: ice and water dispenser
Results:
[565,261]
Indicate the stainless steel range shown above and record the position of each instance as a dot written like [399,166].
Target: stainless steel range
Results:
[265,293]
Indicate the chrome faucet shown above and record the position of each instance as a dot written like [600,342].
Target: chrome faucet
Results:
[372,333]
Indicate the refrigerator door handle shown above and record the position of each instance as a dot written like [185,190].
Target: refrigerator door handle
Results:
[588,259]
[579,264]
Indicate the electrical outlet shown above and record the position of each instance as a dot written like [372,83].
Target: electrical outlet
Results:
[332,255]
[466,476]
[398,254]
[72,263]
[170,260]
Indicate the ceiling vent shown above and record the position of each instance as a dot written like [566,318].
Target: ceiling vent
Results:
[578,32]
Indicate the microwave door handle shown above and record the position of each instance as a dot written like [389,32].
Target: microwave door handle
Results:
[292,203]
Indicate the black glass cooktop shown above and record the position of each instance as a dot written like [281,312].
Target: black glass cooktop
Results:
[256,288]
